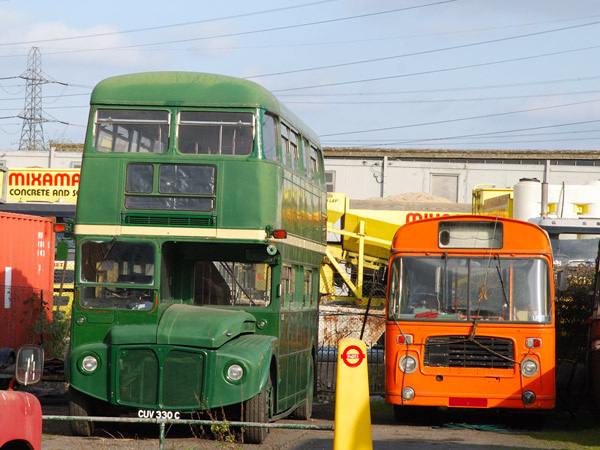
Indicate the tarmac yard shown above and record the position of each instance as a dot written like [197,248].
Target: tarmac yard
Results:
[434,430]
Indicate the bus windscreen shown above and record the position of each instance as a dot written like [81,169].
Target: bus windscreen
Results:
[462,288]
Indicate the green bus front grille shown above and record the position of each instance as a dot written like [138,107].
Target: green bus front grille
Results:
[138,378]
[182,381]
[177,221]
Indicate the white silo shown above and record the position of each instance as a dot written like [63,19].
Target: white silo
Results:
[527,199]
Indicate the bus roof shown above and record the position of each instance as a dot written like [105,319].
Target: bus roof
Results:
[518,236]
[192,89]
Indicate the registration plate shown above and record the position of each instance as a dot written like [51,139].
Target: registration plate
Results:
[158,414]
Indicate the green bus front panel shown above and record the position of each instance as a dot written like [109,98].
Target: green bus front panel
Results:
[174,377]
[138,377]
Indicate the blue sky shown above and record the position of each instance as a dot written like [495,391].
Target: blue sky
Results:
[456,74]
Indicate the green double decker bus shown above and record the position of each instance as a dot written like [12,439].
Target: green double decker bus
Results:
[200,230]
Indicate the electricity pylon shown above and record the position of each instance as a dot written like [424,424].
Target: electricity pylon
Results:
[32,133]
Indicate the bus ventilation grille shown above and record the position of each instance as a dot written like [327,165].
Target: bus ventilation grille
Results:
[460,351]
[170,221]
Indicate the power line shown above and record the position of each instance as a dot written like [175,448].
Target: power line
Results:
[357,102]
[410,36]
[438,122]
[353,41]
[493,133]
[51,107]
[443,100]
[529,141]
[415,140]
[426,52]
[55,120]
[450,89]
[471,30]
[243,33]
[159,27]
[428,72]
[52,96]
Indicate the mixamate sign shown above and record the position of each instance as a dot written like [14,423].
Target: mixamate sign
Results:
[39,185]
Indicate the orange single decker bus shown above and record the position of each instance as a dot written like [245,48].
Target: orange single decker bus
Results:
[470,320]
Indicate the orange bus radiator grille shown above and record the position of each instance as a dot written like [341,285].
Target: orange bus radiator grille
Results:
[460,351]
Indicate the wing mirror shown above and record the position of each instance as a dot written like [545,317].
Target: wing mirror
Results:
[30,364]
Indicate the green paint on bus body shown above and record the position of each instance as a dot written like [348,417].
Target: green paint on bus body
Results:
[155,285]
[192,89]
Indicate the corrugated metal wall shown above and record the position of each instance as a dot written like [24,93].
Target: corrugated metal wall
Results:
[26,276]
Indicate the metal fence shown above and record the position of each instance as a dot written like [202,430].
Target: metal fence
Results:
[163,422]
[339,322]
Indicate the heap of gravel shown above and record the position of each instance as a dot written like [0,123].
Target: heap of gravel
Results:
[411,201]
[410,197]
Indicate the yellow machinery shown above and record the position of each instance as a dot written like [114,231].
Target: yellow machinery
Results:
[354,268]
[489,200]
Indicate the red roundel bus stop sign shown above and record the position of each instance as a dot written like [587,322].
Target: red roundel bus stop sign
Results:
[352,359]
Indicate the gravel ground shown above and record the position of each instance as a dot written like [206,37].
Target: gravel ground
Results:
[464,430]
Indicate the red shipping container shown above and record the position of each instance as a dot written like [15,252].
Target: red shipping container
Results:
[26,277]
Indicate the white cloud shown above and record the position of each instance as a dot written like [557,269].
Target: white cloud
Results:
[19,32]
[81,49]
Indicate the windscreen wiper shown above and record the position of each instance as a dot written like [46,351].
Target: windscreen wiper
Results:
[499,270]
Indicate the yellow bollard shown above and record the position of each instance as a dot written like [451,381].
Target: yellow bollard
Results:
[352,409]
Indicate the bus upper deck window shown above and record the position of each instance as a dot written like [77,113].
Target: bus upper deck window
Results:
[470,234]
[307,158]
[216,133]
[269,138]
[285,144]
[131,131]
[314,166]
[294,155]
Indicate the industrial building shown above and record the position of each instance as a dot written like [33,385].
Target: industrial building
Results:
[363,173]
[451,174]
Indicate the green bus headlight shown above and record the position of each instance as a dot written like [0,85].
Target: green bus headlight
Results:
[89,363]
[235,372]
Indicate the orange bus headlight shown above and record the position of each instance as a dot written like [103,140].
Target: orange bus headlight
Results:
[408,364]
[408,393]
[529,367]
